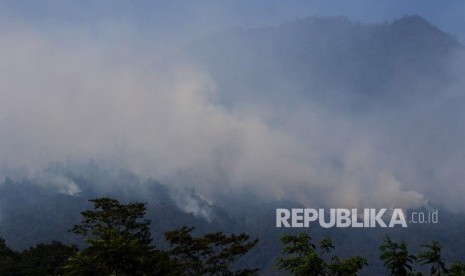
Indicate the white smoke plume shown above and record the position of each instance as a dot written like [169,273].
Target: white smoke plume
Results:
[67,93]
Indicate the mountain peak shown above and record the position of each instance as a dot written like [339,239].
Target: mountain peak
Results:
[415,28]
[412,20]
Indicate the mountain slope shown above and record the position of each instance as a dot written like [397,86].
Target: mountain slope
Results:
[326,58]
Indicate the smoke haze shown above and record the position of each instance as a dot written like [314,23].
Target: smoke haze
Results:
[71,92]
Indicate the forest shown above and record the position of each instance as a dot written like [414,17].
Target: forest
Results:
[118,242]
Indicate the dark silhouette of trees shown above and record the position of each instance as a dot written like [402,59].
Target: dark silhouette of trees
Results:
[396,257]
[456,269]
[120,244]
[399,262]
[46,259]
[42,259]
[118,237]
[8,260]
[211,254]
[300,257]
[432,256]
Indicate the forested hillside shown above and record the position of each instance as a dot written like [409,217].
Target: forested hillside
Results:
[33,213]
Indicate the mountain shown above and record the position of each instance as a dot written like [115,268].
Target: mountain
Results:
[33,213]
[368,71]
[329,60]
[33,209]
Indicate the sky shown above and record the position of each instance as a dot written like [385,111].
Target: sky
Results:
[161,28]
[182,20]
[79,79]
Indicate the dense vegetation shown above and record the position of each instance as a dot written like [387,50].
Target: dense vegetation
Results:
[300,257]
[119,243]
[32,213]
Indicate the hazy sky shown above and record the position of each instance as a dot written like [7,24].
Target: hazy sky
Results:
[190,18]
[164,27]
[79,78]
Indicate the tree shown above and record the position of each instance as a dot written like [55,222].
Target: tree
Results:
[456,269]
[45,259]
[432,256]
[8,260]
[211,254]
[110,216]
[119,239]
[347,267]
[396,257]
[301,258]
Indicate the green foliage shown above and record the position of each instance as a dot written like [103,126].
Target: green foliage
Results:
[398,261]
[46,259]
[120,244]
[396,257]
[301,258]
[119,239]
[432,256]
[85,264]
[8,260]
[40,260]
[211,254]
[456,269]
[347,267]
[110,216]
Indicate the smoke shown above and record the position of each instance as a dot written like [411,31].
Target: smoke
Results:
[69,93]
[56,182]
[190,203]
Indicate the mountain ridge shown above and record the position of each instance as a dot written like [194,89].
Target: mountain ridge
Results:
[319,57]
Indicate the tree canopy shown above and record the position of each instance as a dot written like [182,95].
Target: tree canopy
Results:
[300,257]
[119,242]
